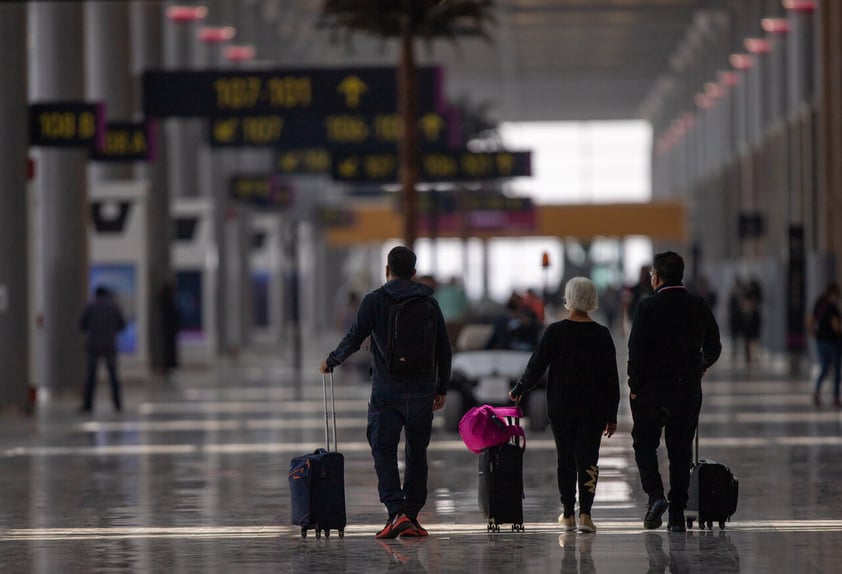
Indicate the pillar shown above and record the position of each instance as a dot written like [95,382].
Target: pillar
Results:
[56,67]
[14,269]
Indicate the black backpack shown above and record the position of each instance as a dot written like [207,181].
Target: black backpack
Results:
[411,336]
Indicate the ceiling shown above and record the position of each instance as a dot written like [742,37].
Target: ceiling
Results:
[549,59]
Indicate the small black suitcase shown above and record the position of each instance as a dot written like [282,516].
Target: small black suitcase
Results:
[500,490]
[317,483]
[713,493]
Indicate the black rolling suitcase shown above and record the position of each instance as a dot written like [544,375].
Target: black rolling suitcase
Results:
[500,491]
[317,483]
[713,493]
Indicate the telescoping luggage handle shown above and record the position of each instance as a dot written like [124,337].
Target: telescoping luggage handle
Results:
[696,454]
[332,410]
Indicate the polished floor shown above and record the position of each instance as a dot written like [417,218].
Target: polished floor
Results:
[191,477]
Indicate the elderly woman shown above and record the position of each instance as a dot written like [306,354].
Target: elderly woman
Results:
[583,393]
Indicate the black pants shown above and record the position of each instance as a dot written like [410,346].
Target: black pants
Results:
[577,442]
[90,380]
[678,419]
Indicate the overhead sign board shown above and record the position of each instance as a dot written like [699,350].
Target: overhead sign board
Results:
[304,161]
[67,124]
[444,165]
[365,90]
[332,130]
[454,211]
[263,190]
[128,141]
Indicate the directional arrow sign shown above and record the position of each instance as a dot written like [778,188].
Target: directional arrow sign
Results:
[334,131]
[368,90]
[444,165]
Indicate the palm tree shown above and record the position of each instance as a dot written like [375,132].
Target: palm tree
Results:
[407,20]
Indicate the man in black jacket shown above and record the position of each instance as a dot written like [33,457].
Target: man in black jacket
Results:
[399,400]
[102,320]
[674,339]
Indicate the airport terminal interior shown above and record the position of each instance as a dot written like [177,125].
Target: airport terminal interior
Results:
[249,163]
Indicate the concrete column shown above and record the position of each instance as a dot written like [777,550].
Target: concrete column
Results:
[108,76]
[214,169]
[14,269]
[147,53]
[57,73]
[183,135]
[828,236]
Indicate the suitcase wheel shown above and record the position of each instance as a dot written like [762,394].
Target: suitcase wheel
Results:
[517,528]
[492,527]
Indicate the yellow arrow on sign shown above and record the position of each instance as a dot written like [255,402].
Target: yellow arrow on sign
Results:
[352,88]
[223,130]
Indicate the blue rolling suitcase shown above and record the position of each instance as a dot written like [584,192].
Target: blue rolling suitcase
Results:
[317,483]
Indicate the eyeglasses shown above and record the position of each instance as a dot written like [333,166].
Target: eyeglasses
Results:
[652,273]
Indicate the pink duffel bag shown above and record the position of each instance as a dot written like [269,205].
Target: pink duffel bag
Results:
[486,426]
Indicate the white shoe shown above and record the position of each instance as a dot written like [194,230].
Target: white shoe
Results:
[586,524]
[567,522]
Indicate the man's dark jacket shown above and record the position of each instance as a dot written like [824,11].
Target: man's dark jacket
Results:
[373,319]
[102,320]
[673,340]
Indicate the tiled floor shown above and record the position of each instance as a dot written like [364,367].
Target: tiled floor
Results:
[192,478]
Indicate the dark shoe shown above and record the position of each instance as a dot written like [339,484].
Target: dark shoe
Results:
[395,527]
[677,523]
[654,513]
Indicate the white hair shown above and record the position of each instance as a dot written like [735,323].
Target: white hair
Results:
[580,295]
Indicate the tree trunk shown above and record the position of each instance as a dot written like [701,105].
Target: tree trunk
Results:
[408,109]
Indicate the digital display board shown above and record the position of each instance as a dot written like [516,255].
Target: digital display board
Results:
[67,124]
[444,165]
[128,141]
[332,130]
[121,280]
[260,190]
[365,90]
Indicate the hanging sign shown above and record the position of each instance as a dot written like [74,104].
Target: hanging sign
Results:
[67,124]
[323,91]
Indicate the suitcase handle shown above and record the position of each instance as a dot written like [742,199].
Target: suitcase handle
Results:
[696,451]
[332,410]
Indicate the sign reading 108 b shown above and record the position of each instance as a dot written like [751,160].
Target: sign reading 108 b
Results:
[67,124]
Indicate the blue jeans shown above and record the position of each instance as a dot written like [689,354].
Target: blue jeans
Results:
[829,355]
[387,417]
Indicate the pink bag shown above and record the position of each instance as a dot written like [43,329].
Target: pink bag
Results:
[486,426]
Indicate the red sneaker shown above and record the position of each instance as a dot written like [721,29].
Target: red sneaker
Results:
[395,527]
[416,529]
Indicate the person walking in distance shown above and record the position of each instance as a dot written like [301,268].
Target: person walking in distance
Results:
[825,323]
[102,320]
[583,393]
[674,339]
[410,373]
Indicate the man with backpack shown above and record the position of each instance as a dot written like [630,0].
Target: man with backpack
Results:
[410,372]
